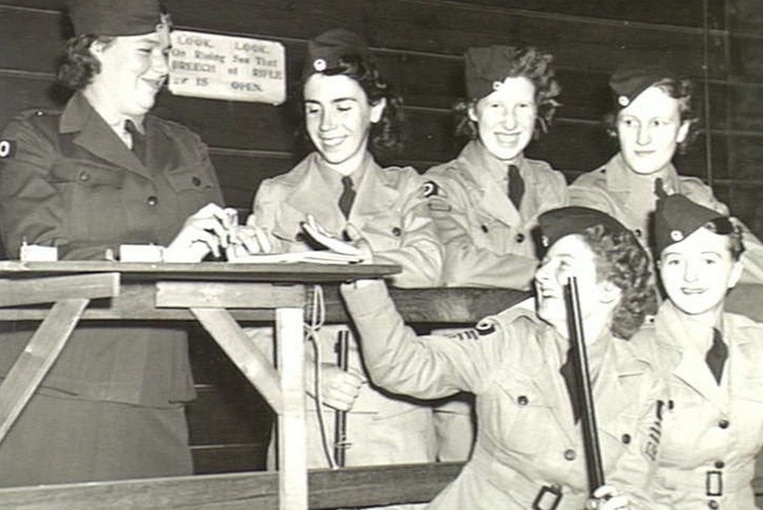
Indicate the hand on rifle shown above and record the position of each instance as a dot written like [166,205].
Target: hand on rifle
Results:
[608,497]
[339,389]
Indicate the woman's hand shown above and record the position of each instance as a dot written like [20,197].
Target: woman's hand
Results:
[247,240]
[339,389]
[608,497]
[205,231]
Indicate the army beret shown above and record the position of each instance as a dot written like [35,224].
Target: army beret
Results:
[676,217]
[326,50]
[628,82]
[485,69]
[117,17]
[558,223]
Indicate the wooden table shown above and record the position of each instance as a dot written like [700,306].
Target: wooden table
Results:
[206,292]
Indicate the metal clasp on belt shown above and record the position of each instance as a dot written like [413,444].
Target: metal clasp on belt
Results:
[713,483]
[548,498]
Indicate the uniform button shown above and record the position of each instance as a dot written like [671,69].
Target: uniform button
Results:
[713,504]
[39,113]
[152,200]
[570,454]
[396,231]
[626,439]
[196,181]
[84,177]
[723,424]
[520,238]
[300,237]
[522,400]
[719,464]
[484,228]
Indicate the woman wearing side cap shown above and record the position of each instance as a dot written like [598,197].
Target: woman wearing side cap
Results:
[653,119]
[112,406]
[711,359]
[529,451]
[349,110]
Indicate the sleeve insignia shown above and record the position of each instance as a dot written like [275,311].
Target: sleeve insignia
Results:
[467,334]
[650,448]
[431,189]
[7,148]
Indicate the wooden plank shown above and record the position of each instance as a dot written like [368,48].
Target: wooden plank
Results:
[292,456]
[50,289]
[250,361]
[34,362]
[227,295]
[349,487]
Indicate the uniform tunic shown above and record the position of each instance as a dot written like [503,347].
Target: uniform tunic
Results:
[69,181]
[713,432]
[488,240]
[391,212]
[615,189]
[527,439]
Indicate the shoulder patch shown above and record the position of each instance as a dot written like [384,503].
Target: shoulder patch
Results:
[652,443]
[431,189]
[7,148]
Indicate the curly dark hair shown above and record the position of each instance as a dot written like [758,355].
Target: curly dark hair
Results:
[621,260]
[387,134]
[536,66]
[678,88]
[78,66]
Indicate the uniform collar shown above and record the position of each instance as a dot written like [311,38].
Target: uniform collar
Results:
[620,178]
[94,134]
[334,179]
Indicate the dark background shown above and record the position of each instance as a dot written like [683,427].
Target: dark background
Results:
[419,44]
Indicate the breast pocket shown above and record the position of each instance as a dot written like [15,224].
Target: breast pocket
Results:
[384,231]
[91,196]
[517,415]
[747,414]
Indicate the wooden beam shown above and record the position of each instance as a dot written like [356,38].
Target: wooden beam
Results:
[34,362]
[243,353]
[348,487]
[228,295]
[28,291]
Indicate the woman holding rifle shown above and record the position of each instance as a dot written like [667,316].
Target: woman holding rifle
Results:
[529,451]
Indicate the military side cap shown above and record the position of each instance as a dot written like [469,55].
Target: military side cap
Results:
[676,217]
[558,223]
[326,50]
[116,17]
[485,69]
[629,82]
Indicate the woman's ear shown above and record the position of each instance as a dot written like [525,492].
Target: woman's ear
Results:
[471,113]
[684,130]
[735,273]
[377,109]
[609,292]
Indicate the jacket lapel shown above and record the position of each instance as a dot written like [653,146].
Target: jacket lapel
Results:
[494,201]
[374,198]
[312,195]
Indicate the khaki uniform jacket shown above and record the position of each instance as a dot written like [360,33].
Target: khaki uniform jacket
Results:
[390,210]
[609,188]
[526,436]
[69,181]
[713,433]
[488,241]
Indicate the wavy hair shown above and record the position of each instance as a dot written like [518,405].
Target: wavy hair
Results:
[78,66]
[536,66]
[620,259]
[387,134]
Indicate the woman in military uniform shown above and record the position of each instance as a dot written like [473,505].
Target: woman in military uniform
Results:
[486,201]
[529,451]
[712,360]
[350,108]
[653,120]
[112,405]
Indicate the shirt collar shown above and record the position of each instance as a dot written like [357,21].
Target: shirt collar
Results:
[621,178]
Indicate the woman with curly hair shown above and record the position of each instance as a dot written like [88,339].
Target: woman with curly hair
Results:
[529,451]
[486,201]
[653,120]
[349,108]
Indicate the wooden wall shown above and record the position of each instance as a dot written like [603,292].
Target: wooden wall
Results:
[420,44]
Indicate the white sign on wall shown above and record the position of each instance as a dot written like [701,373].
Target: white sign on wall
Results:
[224,67]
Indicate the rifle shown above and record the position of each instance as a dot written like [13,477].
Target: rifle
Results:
[581,364]
[340,417]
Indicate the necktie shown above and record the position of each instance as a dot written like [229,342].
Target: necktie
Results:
[567,370]
[139,140]
[347,196]
[516,186]
[716,356]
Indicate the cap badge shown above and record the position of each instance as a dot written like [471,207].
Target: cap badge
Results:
[623,100]
[319,64]
[497,85]
[545,241]
[677,235]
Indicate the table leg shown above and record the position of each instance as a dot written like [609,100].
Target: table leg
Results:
[293,479]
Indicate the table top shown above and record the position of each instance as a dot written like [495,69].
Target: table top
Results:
[293,272]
